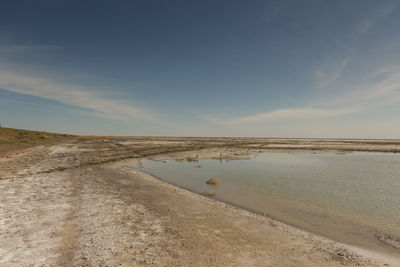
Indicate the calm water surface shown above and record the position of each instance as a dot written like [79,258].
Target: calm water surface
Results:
[349,198]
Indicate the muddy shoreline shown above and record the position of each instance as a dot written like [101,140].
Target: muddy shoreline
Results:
[370,257]
[72,204]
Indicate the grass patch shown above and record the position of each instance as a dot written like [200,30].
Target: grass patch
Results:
[17,139]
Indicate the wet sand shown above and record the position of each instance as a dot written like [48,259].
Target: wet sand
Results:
[75,204]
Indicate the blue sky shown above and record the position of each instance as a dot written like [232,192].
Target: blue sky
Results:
[202,68]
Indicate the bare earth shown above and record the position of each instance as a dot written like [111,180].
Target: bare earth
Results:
[75,204]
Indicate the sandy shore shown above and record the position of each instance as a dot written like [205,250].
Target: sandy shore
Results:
[75,204]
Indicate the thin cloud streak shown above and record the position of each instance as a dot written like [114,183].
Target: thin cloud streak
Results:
[388,85]
[74,96]
[383,71]
[26,48]
[329,74]
[295,113]
[333,69]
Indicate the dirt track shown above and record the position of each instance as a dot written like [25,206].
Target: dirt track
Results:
[70,205]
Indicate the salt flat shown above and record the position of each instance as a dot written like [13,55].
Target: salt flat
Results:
[72,204]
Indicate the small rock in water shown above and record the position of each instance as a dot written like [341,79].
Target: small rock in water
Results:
[199,166]
[213,181]
[165,161]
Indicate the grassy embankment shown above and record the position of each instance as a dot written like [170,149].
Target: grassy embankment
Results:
[15,139]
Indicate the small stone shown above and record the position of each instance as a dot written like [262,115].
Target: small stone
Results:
[213,181]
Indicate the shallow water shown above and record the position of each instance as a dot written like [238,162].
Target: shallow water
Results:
[350,198]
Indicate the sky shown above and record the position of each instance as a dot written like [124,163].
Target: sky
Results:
[202,68]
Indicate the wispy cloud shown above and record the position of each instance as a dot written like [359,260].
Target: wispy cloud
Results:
[332,69]
[330,72]
[289,113]
[378,88]
[382,71]
[386,10]
[364,27]
[26,48]
[72,95]
[388,85]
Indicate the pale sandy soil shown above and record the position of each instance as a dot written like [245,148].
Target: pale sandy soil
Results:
[75,204]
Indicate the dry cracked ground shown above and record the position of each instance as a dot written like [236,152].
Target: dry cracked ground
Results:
[72,205]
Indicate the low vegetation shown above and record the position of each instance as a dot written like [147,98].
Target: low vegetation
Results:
[17,139]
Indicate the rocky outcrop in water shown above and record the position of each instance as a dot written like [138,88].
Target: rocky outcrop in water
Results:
[213,181]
